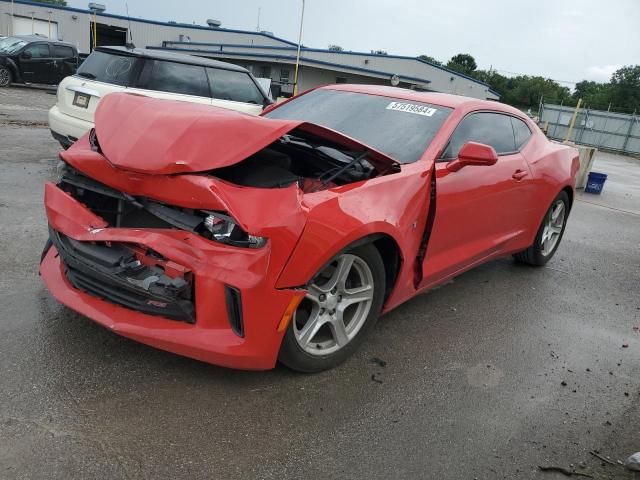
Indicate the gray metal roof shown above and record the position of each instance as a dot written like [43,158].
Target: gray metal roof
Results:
[173,57]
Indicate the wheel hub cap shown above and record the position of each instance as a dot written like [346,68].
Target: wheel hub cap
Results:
[336,306]
[553,227]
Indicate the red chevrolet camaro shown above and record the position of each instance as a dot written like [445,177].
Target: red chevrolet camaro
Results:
[241,240]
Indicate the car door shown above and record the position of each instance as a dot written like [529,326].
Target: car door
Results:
[63,62]
[36,64]
[481,211]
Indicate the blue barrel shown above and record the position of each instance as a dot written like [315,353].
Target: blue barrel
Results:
[595,182]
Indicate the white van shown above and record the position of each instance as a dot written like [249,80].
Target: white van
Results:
[152,73]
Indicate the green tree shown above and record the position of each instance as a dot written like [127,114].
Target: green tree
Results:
[336,48]
[430,59]
[463,63]
[593,94]
[625,87]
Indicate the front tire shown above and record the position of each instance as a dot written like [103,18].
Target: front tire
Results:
[343,302]
[549,234]
[5,77]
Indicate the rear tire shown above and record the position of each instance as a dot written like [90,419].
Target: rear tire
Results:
[549,234]
[342,305]
[5,77]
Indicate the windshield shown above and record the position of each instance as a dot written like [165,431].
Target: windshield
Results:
[108,68]
[11,44]
[401,129]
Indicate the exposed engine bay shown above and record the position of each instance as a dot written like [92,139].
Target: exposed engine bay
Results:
[312,162]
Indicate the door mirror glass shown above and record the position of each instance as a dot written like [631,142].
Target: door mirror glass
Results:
[473,153]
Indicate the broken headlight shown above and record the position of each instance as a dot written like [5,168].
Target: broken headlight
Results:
[223,229]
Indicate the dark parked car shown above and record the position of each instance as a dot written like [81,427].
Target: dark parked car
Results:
[35,59]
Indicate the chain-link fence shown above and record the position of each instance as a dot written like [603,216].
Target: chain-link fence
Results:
[618,132]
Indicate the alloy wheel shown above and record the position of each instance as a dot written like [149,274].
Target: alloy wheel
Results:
[553,227]
[5,77]
[336,306]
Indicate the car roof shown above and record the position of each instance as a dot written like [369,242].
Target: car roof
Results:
[435,98]
[173,57]
[39,38]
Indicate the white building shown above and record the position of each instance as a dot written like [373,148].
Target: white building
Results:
[261,52]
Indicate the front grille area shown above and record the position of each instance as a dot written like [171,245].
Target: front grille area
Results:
[114,272]
[119,209]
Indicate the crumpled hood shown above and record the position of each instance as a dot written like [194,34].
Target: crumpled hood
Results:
[162,137]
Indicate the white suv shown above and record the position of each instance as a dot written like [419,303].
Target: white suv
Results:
[154,74]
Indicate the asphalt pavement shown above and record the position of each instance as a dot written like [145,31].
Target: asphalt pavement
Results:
[500,371]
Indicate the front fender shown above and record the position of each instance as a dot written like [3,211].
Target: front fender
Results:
[394,205]
[8,62]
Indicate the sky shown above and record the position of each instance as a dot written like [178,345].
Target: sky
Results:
[567,40]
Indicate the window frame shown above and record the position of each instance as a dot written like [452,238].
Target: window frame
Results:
[142,77]
[54,46]
[514,132]
[33,44]
[496,112]
[248,74]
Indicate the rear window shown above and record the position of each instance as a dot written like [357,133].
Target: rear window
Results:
[236,86]
[60,51]
[178,78]
[108,68]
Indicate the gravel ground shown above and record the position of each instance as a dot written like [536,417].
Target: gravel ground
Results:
[500,371]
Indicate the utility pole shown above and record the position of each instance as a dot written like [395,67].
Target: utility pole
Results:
[258,27]
[50,12]
[12,21]
[573,120]
[295,76]
[33,25]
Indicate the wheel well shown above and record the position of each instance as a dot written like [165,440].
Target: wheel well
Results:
[390,254]
[569,191]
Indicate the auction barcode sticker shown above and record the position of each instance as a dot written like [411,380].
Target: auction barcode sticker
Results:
[412,108]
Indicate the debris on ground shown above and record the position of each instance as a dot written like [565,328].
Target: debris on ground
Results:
[604,459]
[379,361]
[375,379]
[633,462]
[563,383]
[564,471]
[625,345]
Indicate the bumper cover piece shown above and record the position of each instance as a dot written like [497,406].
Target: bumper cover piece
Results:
[114,274]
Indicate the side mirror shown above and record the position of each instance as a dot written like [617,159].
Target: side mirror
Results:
[473,153]
[26,55]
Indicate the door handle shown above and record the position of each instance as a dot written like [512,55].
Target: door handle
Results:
[519,174]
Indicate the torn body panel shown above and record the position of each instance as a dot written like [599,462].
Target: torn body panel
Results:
[136,135]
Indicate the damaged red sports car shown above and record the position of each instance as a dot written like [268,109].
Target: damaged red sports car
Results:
[241,241]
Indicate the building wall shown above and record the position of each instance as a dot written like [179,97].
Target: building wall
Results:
[410,70]
[318,66]
[77,30]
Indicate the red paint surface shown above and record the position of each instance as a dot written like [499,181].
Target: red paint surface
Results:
[482,212]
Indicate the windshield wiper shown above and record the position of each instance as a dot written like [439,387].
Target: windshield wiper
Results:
[355,160]
[88,75]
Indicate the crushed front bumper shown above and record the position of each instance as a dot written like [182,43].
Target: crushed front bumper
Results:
[216,270]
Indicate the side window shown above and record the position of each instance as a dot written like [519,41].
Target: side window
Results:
[38,50]
[178,78]
[489,128]
[520,131]
[62,51]
[236,86]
